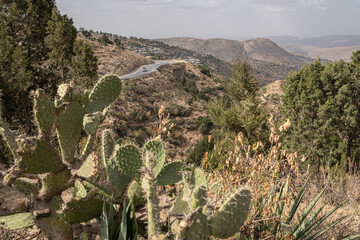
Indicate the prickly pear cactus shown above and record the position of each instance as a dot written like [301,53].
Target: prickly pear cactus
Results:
[199,223]
[71,115]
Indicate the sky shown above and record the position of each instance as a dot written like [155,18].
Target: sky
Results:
[232,19]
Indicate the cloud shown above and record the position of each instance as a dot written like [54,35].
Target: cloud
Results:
[290,5]
[323,4]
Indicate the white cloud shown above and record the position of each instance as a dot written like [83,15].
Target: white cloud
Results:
[323,4]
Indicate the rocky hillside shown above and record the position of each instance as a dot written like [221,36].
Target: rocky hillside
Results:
[183,91]
[270,61]
[114,60]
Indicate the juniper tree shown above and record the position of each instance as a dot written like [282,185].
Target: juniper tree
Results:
[324,106]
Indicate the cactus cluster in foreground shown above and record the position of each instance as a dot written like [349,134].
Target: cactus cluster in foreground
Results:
[51,161]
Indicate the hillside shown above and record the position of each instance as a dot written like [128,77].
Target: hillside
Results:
[113,60]
[183,91]
[181,88]
[270,61]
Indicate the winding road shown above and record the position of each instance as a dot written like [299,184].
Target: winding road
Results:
[145,69]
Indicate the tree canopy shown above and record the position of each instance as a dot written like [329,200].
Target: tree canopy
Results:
[323,103]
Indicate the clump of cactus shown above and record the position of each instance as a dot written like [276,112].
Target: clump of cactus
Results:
[50,157]
[148,167]
[202,219]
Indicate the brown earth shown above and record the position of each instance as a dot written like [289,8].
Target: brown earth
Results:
[113,60]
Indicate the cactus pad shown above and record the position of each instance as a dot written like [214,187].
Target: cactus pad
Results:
[45,112]
[17,221]
[63,90]
[87,169]
[158,155]
[128,158]
[231,215]
[54,183]
[105,92]
[135,194]
[170,173]
[198,178]
[118,179]
[91,122]
[40,158]
[82,211]
[69,126]
[107,146]
[181,205]
[80,190]
[198,198]
[9,138]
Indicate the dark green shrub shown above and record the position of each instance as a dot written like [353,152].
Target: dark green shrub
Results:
[178,111]
[204,124]
[204,70]
[197,154]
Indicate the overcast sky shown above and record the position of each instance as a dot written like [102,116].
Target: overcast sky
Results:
[233,19]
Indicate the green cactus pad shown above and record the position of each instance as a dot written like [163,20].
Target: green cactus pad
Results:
[91,122]
[27,185]
[18,221]
[216,187]
[85,97]
[181,205]
[107,146]
[99,189]
[9,138]
[198,198]
[40,158]
[198,227]
[170,173]
[198,178]
[158,154]
[63,90]
[231,215]
[82,211]
[80,190]
[54,183]
[45,112]
[87,169]
[105,92]
[53,226]
[135,193]
[69,126]
[118,179]
[128,158]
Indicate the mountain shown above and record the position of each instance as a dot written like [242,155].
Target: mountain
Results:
[333,47]
[270,61]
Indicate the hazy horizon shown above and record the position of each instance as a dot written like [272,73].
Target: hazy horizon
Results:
[231,19]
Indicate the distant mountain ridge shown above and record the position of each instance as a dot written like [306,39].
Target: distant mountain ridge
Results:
[261,49]
[270,61]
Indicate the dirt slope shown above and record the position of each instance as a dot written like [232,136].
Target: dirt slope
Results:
[113,60]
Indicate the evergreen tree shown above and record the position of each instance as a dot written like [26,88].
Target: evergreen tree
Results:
[241,111]
[22,50]
[324,105]
[84,64]
[60,40]
[243,82]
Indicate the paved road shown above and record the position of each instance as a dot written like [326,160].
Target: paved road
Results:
[146,69]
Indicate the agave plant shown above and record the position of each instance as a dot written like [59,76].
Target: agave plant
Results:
[306,226]
[128,228]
